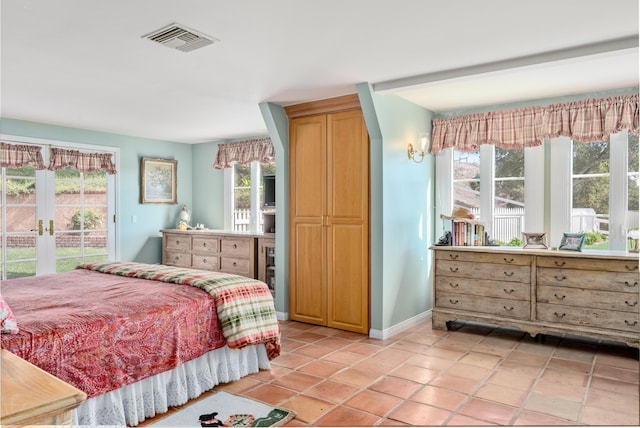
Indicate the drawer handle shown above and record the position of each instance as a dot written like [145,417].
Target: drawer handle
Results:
[630,304]
[631,268]
[628,284]
[452,285]
[508,261]
[508,309]
[560,297]
[453,269]
[509,273]
[559,315]
[235,246]
[454,256]
[204,244]
[560,278]
[509,291]
[557,263]
[630,324]
[204,260]
[454,302]
[177,242]
[176,258]
[235,264]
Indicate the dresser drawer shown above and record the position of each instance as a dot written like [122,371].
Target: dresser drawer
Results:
[495,271]
[176,258]
[483,287]
[238,266]
[237,247]
[580,297]
[176,241]
[588,317]
[628,266]
[595,280]
[488,305]
[477,257]
[204,262]
[204,245]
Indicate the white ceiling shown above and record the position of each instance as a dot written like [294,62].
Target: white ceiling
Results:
[84,64]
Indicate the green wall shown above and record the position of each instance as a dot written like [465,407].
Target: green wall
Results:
[402,210]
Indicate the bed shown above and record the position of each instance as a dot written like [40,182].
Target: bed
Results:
[139,338]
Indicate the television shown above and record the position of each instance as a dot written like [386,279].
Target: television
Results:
[269,195]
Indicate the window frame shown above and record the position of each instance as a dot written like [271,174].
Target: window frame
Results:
[548,192]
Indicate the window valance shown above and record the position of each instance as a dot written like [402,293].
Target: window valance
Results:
[20,155]
[80,161]
[584,121]
[245,152]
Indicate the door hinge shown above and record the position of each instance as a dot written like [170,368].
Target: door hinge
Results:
[114,218]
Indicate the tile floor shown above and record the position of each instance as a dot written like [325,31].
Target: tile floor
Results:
[470,375]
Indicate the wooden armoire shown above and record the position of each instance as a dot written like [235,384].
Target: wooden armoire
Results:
[329,214]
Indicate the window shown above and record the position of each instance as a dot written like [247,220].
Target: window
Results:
[633,173]
[508,213]
[503,173]
[590,201]
[466,181]
[246,188]
[590,188]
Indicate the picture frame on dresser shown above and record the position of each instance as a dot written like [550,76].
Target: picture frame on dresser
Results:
[572,241]
[158,181]
[535,240]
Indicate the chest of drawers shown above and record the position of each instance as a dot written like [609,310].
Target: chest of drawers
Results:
[593,294]
[31,396]
[227,252]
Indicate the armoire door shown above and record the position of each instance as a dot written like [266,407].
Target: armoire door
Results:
[347,222]
[307,202]
[329,212]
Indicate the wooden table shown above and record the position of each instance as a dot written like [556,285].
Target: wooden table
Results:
[31,396]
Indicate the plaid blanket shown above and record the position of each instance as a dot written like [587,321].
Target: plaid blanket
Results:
[244,305]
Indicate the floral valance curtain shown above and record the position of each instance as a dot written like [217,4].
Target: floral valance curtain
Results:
[20,155]
[80,161]
[245,152]
[585,121]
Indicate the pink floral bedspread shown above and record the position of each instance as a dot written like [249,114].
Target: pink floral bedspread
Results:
[99,332]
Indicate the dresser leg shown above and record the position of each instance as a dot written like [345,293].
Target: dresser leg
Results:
[438,322]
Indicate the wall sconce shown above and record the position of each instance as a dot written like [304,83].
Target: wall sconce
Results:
[411,152]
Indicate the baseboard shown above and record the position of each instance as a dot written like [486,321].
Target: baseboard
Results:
[399,328]
[282,316]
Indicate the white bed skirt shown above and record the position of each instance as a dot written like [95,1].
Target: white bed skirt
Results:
[134,403]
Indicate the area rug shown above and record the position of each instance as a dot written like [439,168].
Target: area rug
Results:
[226,409]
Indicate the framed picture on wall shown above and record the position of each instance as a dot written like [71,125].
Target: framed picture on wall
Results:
[158,181]
[535,240]
[572,241]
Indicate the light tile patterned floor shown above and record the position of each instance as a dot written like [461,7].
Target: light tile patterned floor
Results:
[470,375]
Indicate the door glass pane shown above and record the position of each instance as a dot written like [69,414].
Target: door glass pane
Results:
[508,215]
[18,222]
[81,218]
[590,210]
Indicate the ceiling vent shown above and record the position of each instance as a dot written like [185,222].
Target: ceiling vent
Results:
[179,37]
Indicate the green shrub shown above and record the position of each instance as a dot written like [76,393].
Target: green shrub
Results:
[92,220]
[593,237]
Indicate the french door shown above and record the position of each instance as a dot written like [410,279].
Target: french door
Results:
[51,221]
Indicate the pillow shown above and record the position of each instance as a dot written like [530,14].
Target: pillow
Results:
[8,322]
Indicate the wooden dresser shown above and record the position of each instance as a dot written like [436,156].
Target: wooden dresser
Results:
[593,293]
[31,396]
[222,251]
